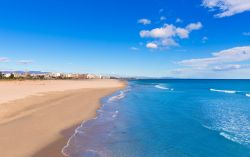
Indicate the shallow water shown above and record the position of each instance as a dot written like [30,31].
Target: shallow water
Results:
[169,118]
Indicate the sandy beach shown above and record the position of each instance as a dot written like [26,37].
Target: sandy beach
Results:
[38,117]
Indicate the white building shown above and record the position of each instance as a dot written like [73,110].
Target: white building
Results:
[56,74]
[7,75]
[91,76]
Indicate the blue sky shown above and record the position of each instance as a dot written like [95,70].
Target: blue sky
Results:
[195,39]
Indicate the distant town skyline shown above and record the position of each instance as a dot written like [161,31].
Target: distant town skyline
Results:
[153,38]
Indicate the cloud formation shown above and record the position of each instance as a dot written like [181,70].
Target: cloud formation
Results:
[144,21]
[227,7]
[204,39]
[25,62]
[152,45]
[229,67]
[236,54]
[162,18]
[166,36]
[178,20]
[3,59]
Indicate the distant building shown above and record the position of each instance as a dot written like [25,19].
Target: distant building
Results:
[82,76]
[69,75]
[38,76]
[105,77]
[7,75]
[48,76]
[17,75]
[56,74]
[91,76]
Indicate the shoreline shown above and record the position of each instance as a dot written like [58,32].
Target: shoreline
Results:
[48,120]
[93,118]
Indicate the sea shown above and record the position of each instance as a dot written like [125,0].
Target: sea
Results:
[169,118]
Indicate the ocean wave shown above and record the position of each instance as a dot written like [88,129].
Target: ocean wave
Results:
[77,131]
[236,138]
[223,91]
[227,136]
[231,123]
[117,97]
[234,133]
[105,116]
[248,95]
[163,87]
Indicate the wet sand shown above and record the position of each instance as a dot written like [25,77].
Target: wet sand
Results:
[40,124]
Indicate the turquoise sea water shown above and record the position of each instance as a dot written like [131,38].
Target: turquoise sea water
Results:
[169,118]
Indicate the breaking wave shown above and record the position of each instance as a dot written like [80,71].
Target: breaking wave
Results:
[163,87]
[84,142]
[232,124]
[117,97]
[223,91]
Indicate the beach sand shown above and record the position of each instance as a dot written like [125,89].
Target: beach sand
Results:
[38,117]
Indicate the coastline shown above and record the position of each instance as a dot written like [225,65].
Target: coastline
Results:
[44,128]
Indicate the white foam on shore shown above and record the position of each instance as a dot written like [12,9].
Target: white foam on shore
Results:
[117,97]
[79,128]
[223,91]
[115,114]
[75,133]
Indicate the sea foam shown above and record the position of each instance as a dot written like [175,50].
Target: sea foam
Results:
[231,123]
[223,91]
[161,87]
[105,117]
[117,97]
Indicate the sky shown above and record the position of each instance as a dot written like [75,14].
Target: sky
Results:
[154,38]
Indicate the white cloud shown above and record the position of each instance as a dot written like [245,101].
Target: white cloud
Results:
[25,62]
[246,33]
[204,39]
[3,59]
[169,42]
[227,7]
[194,26]
[229,63]
[178,20]
[164,32]
[229,67]
[134,48]
[237,54]
[182,33]
[166,36]
[162,18]
[144,21]
[152,45]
